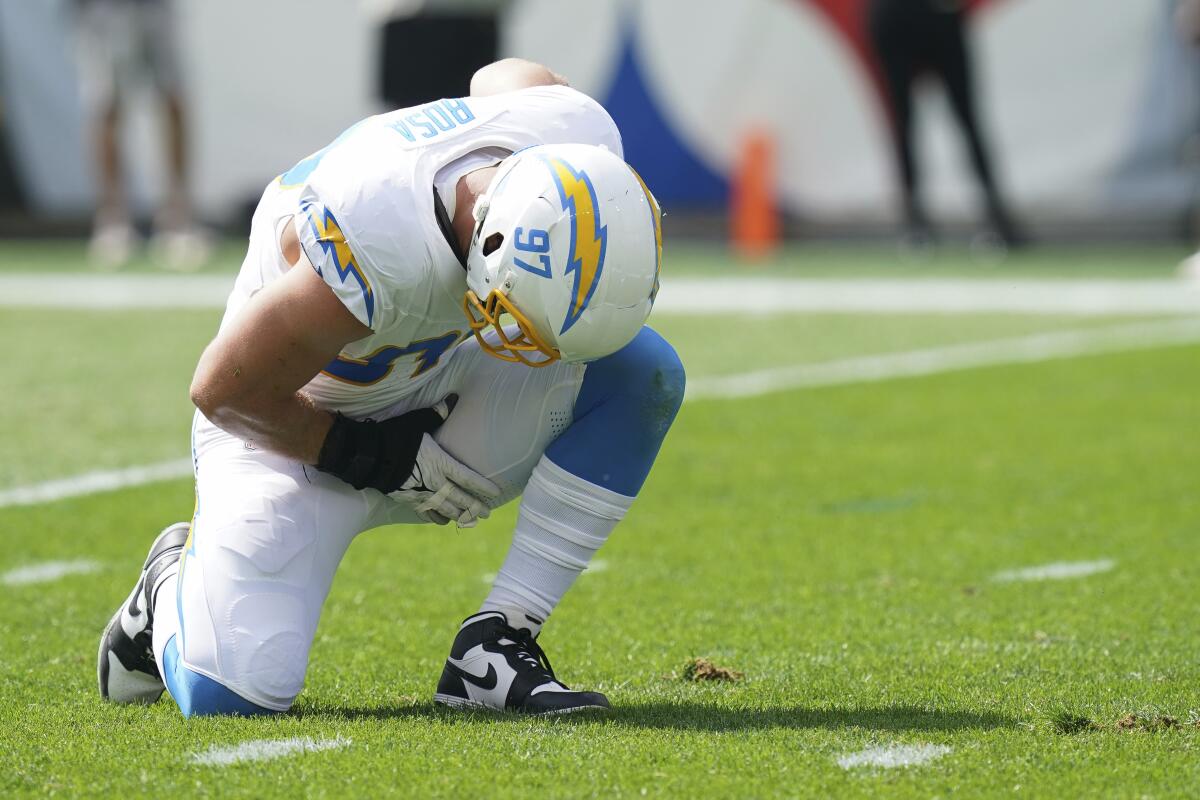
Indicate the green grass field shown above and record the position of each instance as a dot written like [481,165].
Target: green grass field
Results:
[837,545]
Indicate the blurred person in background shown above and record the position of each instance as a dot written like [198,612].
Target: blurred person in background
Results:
[125,45]
[1189,26]
[910,38]
[459,36]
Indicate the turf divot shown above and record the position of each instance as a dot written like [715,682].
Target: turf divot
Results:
[701,669]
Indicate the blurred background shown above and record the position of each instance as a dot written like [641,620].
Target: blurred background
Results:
[1009,122]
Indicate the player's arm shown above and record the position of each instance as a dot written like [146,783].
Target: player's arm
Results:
[248,380]
[249,383]
[510,74]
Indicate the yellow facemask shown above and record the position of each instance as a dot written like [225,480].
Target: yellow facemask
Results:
[527,347]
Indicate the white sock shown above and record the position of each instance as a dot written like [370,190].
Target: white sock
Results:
[562,523]
[166,613]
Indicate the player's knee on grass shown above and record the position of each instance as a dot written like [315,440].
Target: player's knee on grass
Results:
[199,695]
[625,407]
[266,545]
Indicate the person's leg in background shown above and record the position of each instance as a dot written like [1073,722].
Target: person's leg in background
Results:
[179,242]
[1187,21]
[951,59]
[104,49]
[893,28]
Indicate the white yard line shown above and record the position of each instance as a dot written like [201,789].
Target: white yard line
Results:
[1059,570]
[264,750]
[95,482]
[857,369]
[113,292]
[892,756]
[687,296]
[935,360]
[742,295]
[48,571]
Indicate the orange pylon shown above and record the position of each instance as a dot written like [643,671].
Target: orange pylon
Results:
[754,222]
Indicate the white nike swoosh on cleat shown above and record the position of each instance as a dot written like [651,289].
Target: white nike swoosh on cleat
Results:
[488,674]
[487,681]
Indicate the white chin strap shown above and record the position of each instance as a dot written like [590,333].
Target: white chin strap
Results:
[482,204]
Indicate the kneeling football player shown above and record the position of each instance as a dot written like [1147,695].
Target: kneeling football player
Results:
[438,312]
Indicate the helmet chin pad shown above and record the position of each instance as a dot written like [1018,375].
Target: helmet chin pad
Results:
[526,347]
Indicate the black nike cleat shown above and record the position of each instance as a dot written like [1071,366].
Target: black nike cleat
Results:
[125,665]
[493,665]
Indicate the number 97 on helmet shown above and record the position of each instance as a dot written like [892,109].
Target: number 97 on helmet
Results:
[564,262]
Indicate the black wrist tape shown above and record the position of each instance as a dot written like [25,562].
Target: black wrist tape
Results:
[376,455]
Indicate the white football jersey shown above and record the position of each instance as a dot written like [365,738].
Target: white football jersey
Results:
[366,219]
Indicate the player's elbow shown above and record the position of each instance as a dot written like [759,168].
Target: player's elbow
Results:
[204,397]
[221,402]
[210,394]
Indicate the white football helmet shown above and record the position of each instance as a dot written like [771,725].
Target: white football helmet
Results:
[568,243]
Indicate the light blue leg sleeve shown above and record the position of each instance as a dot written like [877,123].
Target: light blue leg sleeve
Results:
[625,407]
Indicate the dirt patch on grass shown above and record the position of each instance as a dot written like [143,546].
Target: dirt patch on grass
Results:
[701,669]
[1068,723]
[1133,722]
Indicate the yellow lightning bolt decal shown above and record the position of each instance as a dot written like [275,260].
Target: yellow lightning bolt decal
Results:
[589,238]
[329,235]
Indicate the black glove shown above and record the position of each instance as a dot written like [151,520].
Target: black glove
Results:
[379,455]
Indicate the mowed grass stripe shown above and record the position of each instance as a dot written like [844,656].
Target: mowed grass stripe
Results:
[912,363]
